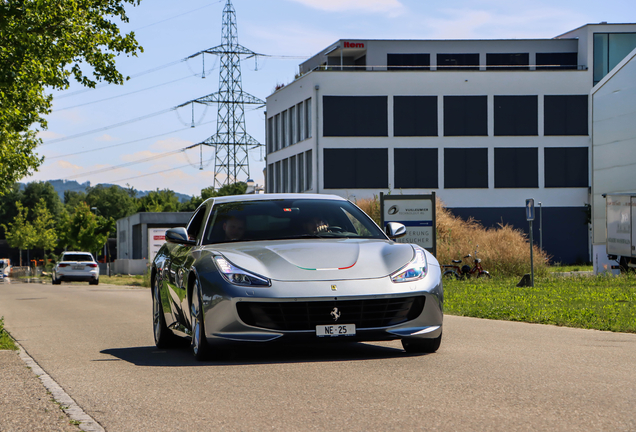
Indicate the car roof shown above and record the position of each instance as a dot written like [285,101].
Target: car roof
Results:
[267,197]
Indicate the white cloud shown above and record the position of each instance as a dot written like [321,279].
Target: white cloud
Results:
[393,7]
[48,135]
[106,137]
[170,144]
[465,23]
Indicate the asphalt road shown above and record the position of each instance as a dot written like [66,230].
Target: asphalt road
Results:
[97,344]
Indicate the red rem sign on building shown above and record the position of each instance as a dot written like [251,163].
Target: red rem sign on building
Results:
[353,45]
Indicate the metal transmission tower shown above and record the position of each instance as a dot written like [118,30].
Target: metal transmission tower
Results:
[231,142]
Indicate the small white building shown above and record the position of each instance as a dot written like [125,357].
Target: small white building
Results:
[613,147]
[483,123]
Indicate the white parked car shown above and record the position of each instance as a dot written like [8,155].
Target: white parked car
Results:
[76,266]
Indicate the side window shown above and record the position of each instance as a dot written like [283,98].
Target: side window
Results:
[195,226]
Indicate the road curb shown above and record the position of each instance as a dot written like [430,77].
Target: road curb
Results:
[67,404]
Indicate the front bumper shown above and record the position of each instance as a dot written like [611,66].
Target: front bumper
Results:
[226,320]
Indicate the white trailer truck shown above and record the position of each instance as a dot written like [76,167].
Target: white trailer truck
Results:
[621,229]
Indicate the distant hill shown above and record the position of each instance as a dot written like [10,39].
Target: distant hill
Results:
[61,186]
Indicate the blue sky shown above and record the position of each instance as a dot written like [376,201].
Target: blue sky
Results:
[130,135]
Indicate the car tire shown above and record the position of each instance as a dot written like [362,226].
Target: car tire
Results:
[421,346]
[55,281]
[94,282]
[200,347]
[164,338]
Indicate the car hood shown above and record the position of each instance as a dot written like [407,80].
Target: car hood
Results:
[319,259]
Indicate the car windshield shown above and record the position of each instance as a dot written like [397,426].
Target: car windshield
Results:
[77,257]
[288,219]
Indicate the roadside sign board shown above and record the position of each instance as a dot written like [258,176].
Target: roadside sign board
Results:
[530,209]
[156,239]
[416,213]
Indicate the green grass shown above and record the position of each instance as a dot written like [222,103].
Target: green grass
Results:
[6,342]
[129,280]
[570,268]
[591,302]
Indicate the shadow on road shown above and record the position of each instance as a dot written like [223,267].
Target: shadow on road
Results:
[258,354]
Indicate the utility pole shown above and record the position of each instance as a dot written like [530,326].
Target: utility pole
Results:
[231,142]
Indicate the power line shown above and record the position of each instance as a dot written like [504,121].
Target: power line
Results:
[122,95]
[177,16]
[127,164]
[104,84]
[125,143]
[81,134]
[152,173]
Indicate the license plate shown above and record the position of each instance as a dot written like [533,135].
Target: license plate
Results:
[335,330]
[78,267]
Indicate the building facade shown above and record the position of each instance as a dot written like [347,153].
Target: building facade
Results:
[613,148]
[483,123]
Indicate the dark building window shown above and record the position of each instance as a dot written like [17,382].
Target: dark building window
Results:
[415,168]
[408,61]
[516,168]
[516,115]
[555,61]
[566,167]
[356,168]
[465,168]
[609,50]
[458,61]
[565,115]
[507,61]
[355,116]
[415,115]
[465,116]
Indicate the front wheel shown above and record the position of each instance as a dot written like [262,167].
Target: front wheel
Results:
[200,346]
[421,346]
[484,275]
[164,338]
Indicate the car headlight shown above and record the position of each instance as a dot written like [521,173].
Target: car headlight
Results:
[238,276]
[414,270]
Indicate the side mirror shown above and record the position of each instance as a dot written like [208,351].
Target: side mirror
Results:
[179,236]
[395,230]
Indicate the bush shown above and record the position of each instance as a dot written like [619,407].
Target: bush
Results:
[504,250]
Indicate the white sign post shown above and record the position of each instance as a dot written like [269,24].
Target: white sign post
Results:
[156,239]
[416,213]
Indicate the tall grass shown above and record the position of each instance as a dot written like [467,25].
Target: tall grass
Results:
[504,250]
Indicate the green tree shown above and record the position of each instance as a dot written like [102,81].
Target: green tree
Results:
[73,198]
[159,201]
[8,209]
[20,233]
[42,44]
[238,188]
[44,226]
[111,201]
[83,230]
[35,192]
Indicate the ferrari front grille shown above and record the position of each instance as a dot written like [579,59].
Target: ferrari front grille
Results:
[306,315]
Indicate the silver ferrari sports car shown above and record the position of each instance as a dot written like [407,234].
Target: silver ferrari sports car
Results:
[292,268]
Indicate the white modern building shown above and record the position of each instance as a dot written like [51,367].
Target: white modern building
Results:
[485,124]
[613,147]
